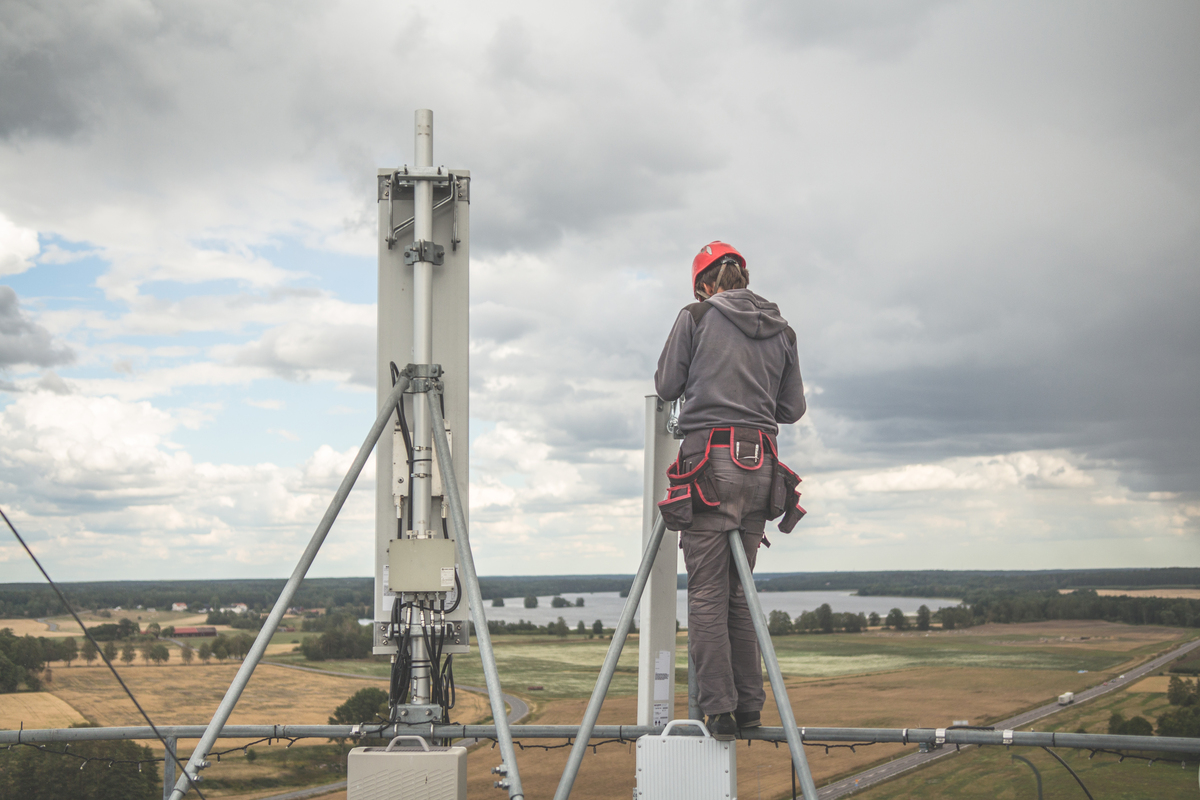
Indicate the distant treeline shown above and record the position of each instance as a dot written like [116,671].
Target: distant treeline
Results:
[959,583]
[1081,604]
[544,585]
[37,600]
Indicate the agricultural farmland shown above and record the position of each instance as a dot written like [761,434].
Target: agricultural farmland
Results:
[875,679]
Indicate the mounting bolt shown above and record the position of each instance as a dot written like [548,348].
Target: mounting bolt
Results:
[500,770]
[501,784]
[429,712]
[404,712]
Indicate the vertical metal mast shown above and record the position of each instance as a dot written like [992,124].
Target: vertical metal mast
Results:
[656,640]
[422,505]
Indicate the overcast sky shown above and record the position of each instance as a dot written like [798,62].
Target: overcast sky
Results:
[981,219]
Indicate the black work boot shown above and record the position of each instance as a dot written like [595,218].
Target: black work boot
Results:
[748,719]
[722,727]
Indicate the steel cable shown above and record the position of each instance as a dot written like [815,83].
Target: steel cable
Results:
[179,764]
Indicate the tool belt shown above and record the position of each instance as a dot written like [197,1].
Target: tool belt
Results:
[693,488]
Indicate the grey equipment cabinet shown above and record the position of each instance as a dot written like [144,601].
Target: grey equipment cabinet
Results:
[407,773]
[685,767]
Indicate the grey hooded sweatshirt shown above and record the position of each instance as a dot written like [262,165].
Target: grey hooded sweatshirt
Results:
[733,358]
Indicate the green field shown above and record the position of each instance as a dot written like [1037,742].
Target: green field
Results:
[849,654]
[993,773]
[568,668]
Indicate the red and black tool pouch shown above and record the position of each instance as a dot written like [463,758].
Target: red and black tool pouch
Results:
[693,489]
[676,510]
[785,499]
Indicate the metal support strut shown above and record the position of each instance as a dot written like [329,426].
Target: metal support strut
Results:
[610,663]
[510,775]
[768,656]
[234,692]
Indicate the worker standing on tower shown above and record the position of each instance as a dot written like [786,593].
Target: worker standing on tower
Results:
[733,358]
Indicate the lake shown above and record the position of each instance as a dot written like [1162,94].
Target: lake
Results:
[606,606]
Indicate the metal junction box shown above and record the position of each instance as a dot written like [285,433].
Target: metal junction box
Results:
[420,565]
[410,772]
[685,767]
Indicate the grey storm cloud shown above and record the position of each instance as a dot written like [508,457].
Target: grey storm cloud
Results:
[981,219]
[23,341]
[61,63]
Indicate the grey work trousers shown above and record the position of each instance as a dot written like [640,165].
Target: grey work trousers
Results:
[723,644]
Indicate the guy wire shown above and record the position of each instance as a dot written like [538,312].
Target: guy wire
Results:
[100,650]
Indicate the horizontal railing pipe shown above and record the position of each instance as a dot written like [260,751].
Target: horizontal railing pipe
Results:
[812,736]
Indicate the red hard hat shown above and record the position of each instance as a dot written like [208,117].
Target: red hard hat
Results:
[710,254]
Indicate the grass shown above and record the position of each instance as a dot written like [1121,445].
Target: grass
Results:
[846,654]
[276,768]
[991,772]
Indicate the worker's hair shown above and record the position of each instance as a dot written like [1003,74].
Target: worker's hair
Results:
[724,275]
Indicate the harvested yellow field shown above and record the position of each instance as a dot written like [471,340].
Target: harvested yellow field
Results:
[31,627]
[36,710]
[179,695]
[1185,594]
[1156,684]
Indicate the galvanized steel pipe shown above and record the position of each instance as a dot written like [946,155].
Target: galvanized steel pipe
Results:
[422,483]
[610,662]
[768,655]
[1181,746]
[470,580]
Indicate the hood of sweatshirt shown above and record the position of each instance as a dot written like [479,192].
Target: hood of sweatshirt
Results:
[754,316]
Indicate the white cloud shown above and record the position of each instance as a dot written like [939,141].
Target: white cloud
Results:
[979,474]
[102,487]
[18,247]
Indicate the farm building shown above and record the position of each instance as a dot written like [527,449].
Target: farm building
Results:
[202,630]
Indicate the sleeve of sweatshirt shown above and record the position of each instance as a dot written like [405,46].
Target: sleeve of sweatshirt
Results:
[671,376]
[790,405]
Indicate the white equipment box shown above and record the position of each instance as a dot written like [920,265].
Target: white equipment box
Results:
[407,773]
[685,767]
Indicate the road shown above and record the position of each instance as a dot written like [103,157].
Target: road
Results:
[891,769]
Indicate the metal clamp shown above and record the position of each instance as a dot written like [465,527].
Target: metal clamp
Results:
[407,175]
[417,713]
[1008,737]
[939,736]
[423,378]
[423,250]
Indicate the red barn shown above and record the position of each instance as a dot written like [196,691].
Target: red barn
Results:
[203,630]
